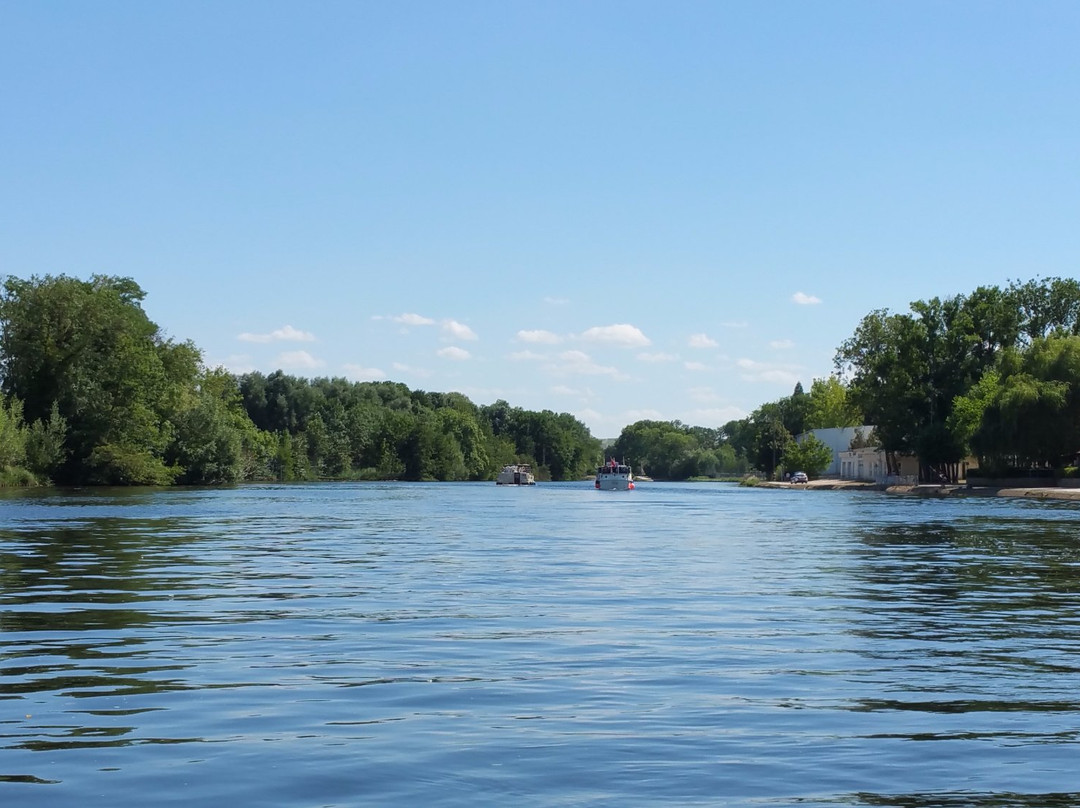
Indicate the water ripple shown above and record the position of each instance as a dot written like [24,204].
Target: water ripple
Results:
[461,644]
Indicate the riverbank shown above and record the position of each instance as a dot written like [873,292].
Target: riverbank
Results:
[1029,492]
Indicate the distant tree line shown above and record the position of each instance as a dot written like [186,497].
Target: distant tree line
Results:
[93,393]
[763,442]
[994,374]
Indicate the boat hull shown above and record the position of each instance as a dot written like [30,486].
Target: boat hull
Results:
[614,483]
[614,476]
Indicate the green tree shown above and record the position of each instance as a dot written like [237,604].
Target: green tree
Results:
[89,348]
[809,454]
[45,450]
[829,406]
[1027,413]
[12,434]
[795,410]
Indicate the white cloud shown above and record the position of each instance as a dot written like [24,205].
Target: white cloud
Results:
[589,415]
[358,373]
[704,395]
[715,416]
[454,353]
[479,394]
[539,336]
[526,356]
[563,390]
[299,360]
[658,356]
[403,368]
[804,299]
[579,363]
[633,416]
[782,344]
[754,371]
[412,319]
[239,363]
[289,333]
[702,341]
[608,424]
[456,330]
[623,334]
[284,334]
[695,366]
[779,376]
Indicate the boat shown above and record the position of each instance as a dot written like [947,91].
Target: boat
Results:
[515,474]
[613,476]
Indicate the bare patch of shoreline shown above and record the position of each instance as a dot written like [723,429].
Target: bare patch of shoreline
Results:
[1043,492]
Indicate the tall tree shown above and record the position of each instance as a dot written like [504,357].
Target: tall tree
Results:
[89,348]
[1027,413]
[829,405]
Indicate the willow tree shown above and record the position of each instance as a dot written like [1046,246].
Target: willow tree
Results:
[1026,413]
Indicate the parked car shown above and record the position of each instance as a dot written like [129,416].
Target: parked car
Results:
[799,477]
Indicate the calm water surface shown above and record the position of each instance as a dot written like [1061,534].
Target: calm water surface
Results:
[462,645]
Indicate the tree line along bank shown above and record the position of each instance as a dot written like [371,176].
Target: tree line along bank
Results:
[93,393]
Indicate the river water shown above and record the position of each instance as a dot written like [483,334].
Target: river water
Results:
[468,644]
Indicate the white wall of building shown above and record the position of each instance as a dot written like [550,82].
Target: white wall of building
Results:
[839,440]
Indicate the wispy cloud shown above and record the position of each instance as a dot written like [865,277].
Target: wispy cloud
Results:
[284,334]
[579,363]
[556,301]
[702,341]
[454,353]
[695,366]
[527,356]
[299,360]
[754,371]
[412,319]
[358,373]
[715,416]
[622,334]
[633,416]
[239,363]
[411,371]
[539,336]
[782,344]
[804,299]
[456,330]
[704,395]
[451,329]
[657,356]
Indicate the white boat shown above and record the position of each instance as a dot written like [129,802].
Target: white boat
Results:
[515,474]
[614,476]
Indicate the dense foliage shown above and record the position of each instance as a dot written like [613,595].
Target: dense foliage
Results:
[995,373]
[670,450]
[93,393]
[767,437]
[988,373]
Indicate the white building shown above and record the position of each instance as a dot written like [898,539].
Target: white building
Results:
[868,463]
[839,440]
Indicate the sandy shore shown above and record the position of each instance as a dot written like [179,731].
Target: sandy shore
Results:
[929,490]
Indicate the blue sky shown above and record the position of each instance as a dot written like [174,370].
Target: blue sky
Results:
[621,210]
